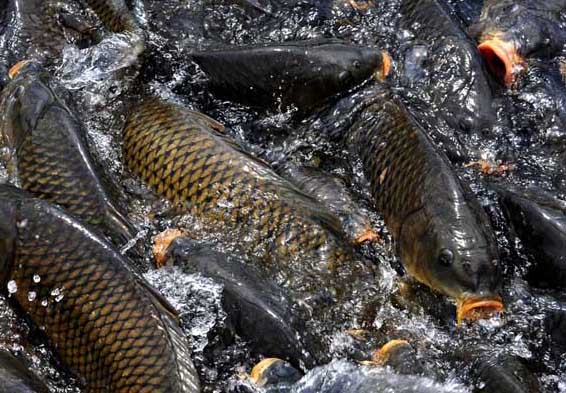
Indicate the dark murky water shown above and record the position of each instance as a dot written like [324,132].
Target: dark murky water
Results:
[530,133]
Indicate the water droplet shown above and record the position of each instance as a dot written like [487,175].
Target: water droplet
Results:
[12,287]
[22,224]
[31,296]
[59,298]
[55,292]
[36,278]
[44,302]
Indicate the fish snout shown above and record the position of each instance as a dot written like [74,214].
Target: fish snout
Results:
[482,305]
[503,59]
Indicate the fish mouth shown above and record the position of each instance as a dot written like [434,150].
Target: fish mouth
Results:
[381,356]
[162,243]
[383,71]
[259,369]
[503,59]
[474,309]
[16,68]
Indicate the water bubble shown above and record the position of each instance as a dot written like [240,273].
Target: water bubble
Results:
[55,292]
[32,295]
[36,278]
[59,298]
[12,287]
[44,302]
[22,224]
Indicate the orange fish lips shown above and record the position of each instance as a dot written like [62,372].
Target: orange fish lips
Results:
[474,309]
[16,68]
[503,59]
[383,71]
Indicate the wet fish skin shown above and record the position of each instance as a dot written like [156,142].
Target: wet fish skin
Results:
[504,373]
[299,73]
[443,235]
[208,175]
[534,27]
[107,325]
[260,311]
[32,31]
[15,377]
[539,220]
[333,193]
[457,78]
[115,15]
[50,158]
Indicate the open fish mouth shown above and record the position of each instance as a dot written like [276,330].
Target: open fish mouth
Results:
[503,59]
[473,309]
[15,69]
[385,68]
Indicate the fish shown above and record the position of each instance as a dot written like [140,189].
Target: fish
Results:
[15,377]
[49,156]
[400,356]
[509,32]
[32,31]
[443,236]
[503,373]
[456,80]
[115,15]
[301,74]
[539,220]
[333,193]
[260,311]
[184,158]
[107,325]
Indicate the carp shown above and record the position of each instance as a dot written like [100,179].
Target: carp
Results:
[48,152]
[299,73]
[106,324]
[443,236]
[511,31]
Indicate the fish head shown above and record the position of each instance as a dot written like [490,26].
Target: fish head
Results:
[23,101]
[460,87]
[508,32]
[454,254]
[353,65]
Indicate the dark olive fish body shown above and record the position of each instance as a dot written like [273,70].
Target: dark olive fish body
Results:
[202,171]
[333,193]
[504,374]
[104,323]
[49,154]
[540,222]
[443,235]
[114,14]
[457,80]
[32,31]
[15,377]
[302,73]
[260,311]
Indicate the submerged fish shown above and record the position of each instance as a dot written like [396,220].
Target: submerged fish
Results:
[107,325]
[443,235]
[503,373]
[115,15]
[509,31]
[49,155]
[260,311]
[333,193]
[299,73]
[539,220]
[455,77]
[15,377]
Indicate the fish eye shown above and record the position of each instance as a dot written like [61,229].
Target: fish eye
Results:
[357,64]
[446,257]
[466,124]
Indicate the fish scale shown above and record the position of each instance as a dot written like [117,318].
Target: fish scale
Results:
[101,320]
[114,14]
[428,211]
[184,159]
[49,153]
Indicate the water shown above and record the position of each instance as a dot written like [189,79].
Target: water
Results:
[530,127]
